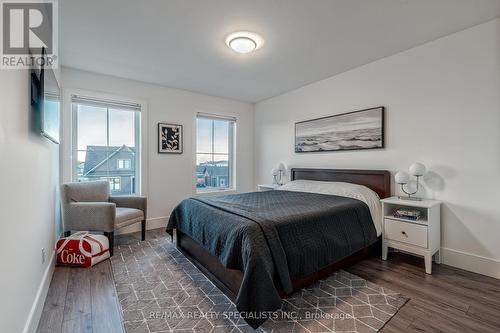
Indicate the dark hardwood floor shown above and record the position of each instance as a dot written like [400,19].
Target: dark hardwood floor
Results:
[449,300]
[85,300]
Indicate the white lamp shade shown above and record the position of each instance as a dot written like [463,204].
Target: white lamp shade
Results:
[402,177]
[281,166]
[274,172]
[417,169]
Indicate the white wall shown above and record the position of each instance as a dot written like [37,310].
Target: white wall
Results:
[29,178]
[443,109]
[171,177]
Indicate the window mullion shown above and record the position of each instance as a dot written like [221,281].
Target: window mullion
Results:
[74,142]
[213,150]
[107,141]
[213,141]
[137,187]
[230,155]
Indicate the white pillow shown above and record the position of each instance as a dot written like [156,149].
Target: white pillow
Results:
[348,190]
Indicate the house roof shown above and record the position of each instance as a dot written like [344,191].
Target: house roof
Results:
[98,155]
[216,168]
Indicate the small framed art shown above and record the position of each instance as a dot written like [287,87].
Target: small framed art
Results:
[169,138]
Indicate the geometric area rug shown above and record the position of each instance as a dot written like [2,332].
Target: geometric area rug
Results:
[159,290]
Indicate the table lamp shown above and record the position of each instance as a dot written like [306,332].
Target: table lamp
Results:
[403,178]
[280,171]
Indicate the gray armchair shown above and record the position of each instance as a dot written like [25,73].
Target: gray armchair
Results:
[88,206]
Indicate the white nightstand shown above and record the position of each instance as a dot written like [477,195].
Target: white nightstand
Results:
[267,187]
[421,237]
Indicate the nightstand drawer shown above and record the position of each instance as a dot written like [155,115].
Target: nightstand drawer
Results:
[406,232]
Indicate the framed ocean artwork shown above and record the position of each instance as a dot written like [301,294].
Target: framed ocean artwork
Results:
[363,129]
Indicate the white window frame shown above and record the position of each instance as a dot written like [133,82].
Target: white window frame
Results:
[231,152]
[69,135]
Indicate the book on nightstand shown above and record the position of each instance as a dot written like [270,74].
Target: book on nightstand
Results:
[412,215]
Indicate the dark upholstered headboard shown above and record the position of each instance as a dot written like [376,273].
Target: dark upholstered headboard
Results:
[377,180]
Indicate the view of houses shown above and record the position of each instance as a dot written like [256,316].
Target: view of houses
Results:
[212,174]
[114,164]
[117,166]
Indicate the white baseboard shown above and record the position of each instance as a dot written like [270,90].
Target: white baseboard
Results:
[154,223]
[37,307]
[471,262]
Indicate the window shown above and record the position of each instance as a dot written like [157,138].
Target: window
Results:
[214,152]
[114,183]
[106,137]
[124,164]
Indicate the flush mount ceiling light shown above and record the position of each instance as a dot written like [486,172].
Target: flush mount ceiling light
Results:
[244,41]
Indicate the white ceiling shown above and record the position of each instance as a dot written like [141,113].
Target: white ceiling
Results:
[180,43]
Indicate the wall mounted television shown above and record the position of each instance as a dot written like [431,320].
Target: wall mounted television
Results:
[46,101]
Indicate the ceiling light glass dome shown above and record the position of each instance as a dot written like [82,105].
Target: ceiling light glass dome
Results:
[244,41]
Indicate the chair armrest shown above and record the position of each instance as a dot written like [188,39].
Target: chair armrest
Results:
[98,216]
[136,202]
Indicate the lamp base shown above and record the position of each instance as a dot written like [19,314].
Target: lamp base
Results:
[409,198]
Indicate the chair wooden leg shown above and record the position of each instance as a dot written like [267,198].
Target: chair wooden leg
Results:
[143,229]
[111,236]
[67,233]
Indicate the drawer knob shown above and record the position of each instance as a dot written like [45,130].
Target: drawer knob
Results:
[404,233]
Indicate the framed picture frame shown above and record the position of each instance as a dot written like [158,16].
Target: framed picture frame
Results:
[170,138]
[356,130]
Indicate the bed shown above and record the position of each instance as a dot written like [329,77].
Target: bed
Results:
[259,247]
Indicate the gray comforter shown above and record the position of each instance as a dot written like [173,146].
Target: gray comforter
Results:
[274,237]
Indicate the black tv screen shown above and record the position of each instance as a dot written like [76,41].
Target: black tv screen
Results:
[46,100]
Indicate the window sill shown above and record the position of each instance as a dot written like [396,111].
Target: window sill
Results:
[216,191]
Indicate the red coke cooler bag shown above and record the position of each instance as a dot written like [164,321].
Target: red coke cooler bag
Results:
[82,249]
